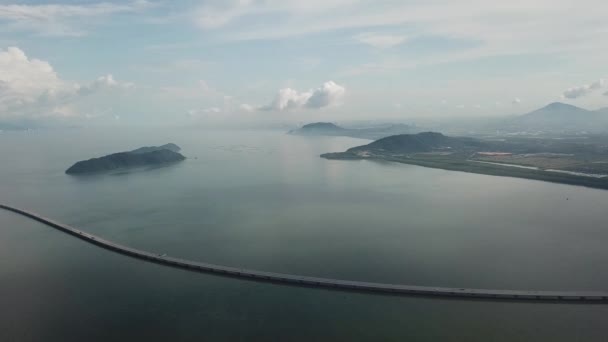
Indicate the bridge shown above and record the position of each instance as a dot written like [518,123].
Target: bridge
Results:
[335,284]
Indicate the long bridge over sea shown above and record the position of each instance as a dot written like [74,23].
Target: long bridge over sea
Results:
[335,284]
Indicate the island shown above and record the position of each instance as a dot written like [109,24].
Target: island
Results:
[540,159]
[143,156]
[331,129]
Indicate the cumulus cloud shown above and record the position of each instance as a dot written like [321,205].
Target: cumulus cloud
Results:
[330,93]
[327,95]
[103,82]
[597,84]
[380,41]
[31,88]
[247,107]
[585,89]
[574,92]
[288,98]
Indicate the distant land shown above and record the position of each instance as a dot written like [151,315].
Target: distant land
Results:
[372,133]
[556,119]
[143,156]
[553,160]
[7,126]
[559,117]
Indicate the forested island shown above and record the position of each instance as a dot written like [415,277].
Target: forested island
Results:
[143,156]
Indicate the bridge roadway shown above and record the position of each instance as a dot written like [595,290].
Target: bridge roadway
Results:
[555,296]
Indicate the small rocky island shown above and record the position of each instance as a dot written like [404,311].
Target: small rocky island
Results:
[143,156]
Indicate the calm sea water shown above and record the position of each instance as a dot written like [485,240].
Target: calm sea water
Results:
[265,200]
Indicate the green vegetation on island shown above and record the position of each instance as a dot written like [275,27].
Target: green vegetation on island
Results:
[144,156]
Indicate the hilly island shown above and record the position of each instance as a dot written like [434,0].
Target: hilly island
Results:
[540,159]
[331,129]
[144,156]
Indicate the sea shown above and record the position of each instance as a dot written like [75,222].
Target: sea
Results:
[265,200]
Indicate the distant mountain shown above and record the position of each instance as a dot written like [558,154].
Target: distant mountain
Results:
[557,112]
[560,117]
[330,129]
[319,128]
[145,156]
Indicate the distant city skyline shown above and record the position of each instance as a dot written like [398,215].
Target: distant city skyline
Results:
[149,62]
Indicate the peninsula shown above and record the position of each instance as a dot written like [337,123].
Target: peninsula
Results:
[546,160]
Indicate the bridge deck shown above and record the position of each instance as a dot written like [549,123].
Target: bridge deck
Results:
[566,296]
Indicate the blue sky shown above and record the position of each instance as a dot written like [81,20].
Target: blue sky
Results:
[246,60]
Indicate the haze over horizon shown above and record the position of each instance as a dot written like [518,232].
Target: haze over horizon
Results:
[160,62]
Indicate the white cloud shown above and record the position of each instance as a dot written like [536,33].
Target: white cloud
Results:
[597,84]
[31,88]
[516,101]
[60,19]
[288,98]
[103,82]
[497,29]
[214,14]
[329,94]
[576,92]
[204,113]
[380,41]
[247,107]
[212,110]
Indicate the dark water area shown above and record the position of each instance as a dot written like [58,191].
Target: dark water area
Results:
[265,200]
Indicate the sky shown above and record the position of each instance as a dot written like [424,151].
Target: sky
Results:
[164,62]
